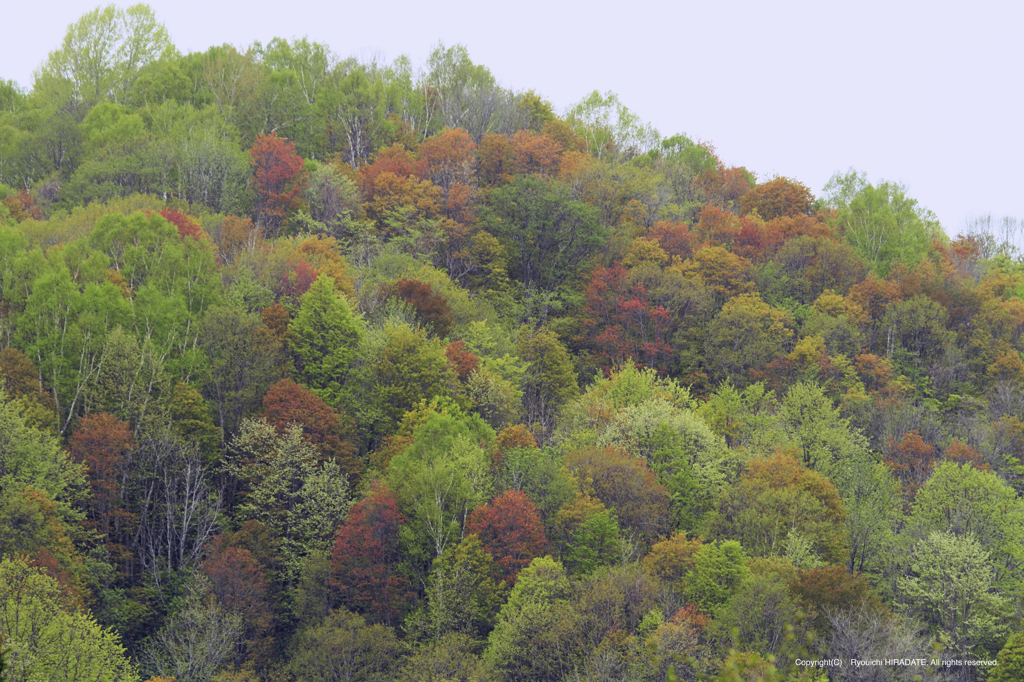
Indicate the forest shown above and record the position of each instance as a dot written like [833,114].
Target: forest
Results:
[314,368]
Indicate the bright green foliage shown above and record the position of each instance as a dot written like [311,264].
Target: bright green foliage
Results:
[739,416]
[874,509]
[33,458]
[882,223]
[757,614]
[439,479]
[64,327]
[718,571]
[533,638]
[611,130]
[463,593]
[693,462]
[950,586]
[289,490]
[172,280]
[47,638]
[102,54]
[453,659]
[1011,661]
[402,366]
[584,421]
[809,421]
[325,336]
[966,501]
[130,380]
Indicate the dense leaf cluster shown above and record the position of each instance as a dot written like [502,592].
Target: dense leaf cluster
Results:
[315,369]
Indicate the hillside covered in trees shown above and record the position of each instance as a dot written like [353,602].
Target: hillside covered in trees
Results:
[319,369]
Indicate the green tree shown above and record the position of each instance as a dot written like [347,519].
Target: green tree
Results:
[874,509]
[463,594]
[343,648]
[549,232]
[610,128]
[778,497]
[881,222]
[245,359]
[190,417]
[64,326]
[1011,661]
[809,420]
[549,381]
[400,367]
[746,335]
[535,636]
[325,336]
[439,478]
[965,501]
[102,54]
[30,457]
[47,637]
[718,570]
[198,638]
[950,586]
[290,490]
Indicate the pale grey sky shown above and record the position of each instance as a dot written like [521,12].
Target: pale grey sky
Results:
[925,93]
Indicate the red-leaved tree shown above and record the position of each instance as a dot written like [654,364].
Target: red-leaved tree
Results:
[104,444]
[623,323]
[366,558]
[324,427]
[186,226]
[510,529]
[279,175]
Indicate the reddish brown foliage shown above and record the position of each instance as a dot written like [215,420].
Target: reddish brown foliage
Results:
[462,361]
[496,159]
[238,582]
[675,238]
[691,615]
[961,453]
[757,241]
[186,226]
[22,207]
[278,175]
[717,227]
[778,197]
[534,154]
[510,529]
[104,444]
[394,159]
[289,403]
[448,159]
[623,324]
[832,589]
[432,310]
[366,557]
[912,460]
[276,318]
[626,484]
[297,280]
